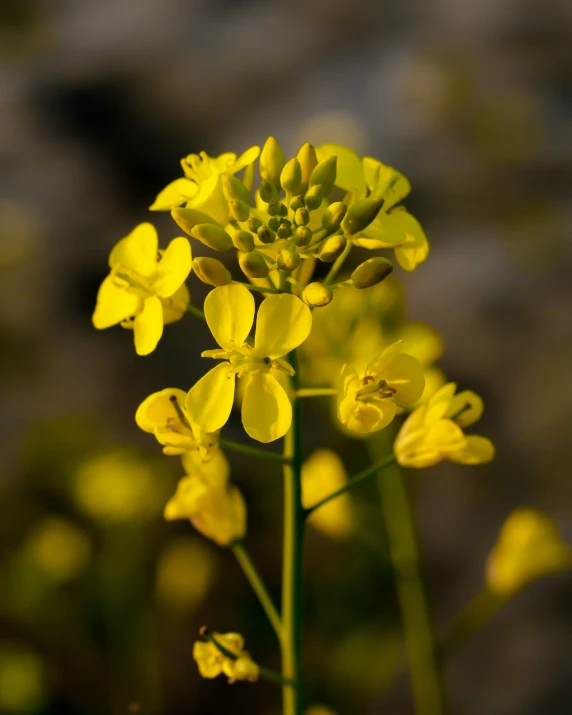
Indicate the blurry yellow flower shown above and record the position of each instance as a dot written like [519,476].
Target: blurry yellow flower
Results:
[282,324]
[529,547]
[58,548]
[212,662]
[145,289]
[433,432]
[22,680]
[217,511]
[322,474]
[319,710]
[370,402]
[202,186]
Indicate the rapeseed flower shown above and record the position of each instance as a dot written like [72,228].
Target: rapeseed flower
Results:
[323,473]
[212,661]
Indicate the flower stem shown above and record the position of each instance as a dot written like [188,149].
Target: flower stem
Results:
[252,451]
[315,391]
[195,312]
[259,289]
[292,562]
[258,586]
[338,263]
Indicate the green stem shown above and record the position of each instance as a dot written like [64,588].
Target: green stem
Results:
[269,279]
[195,312]
[316,391]
[292,561]
[426,680]
[258,289]
[258,586]
[252,451]
[338,263]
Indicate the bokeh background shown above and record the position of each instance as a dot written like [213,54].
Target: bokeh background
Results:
[100,599]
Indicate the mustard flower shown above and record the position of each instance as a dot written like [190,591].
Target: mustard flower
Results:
[283,323]
[434,431]
[212,662]
[322,474]
[369,402]
[529,547]
[145,289]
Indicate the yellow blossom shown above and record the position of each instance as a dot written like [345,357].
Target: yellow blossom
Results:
[212,662]
[369,402]
[58,548]
[433,432]
[185,571]
[322,474]
[282,324]
[145,289]
[529,547]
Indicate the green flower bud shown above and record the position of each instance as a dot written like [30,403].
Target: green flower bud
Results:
[313,197]
[254,224]
[187,219]
[244,241]
[360,215]
[283,210]
[272,161]
[234,189]
[291,176]
[324,174]
[303,236]
[331,248]
[302,217]
[211,271]
[240,210]
[284,230]
[213,236]
[308,162]
[333,216]
[274,223]
[253,264]
[317,295]
[266,235]
[288,260]
[273,208]
[371,272]
[296,204]
[268,192]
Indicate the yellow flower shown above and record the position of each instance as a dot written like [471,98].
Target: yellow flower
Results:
[529,547]
[202,186]
[212,662]
[283,323]
[145,289]
[58,548]
[368,403]
[433,432]
[322,474]
[216,510]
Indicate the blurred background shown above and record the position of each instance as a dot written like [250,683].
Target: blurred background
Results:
[100,599]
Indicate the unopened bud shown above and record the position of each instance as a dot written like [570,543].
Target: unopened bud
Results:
[284,230]
[371,272]
[272,161]
[266,235]
[333,216]
[211,271]
[240,210]
[296,204]
[360,215]
[187,219]
[254,224]
[233,188]
[324,174]
[244,241]
[317,295]
[291,176]
[313,197]
[302,217]
[274,223]
[268,192]
[288,260]
[273,208]
[213,236]
[253,264]
[303,236]
[331,248]
[283,210]
[308,162]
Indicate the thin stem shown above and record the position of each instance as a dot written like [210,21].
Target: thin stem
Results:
[259,289]
[316,391]
[252,451]
[269,279]
[338,263]
[293,700]
[258,587]
[195,312]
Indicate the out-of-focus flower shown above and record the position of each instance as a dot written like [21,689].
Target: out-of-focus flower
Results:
[319,710]
[369,402]
[434,431]
[529,547]
[212,662]
[322,474]
[146,287]
[58,548]
[185,572]
[23,686]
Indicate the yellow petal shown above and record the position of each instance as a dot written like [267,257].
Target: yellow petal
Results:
[266,409]
[283,323]
[148,326]
[176,305]
[158,408]
[114,304]
[371,417]
[212,201]
[177,193]
[229,312]
[465,408]
[405,375]
[477,450]
[138,251]
[415,249]
[386,231]
[349,175]
[215,471]
[174,267]
[349,383]
[322,474]
[246,158]
[209,401]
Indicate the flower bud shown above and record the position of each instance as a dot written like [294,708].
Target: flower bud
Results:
[254,224]
[303,236]
[272,161]
[234,189]
[274,223]
[288,260]
[302,217]
[240,210]
[244,241]
[308,162]
[187,219]
[274,208]
[268,192]
[313,197]
[213,236]
[371,272]
[266,235]
[324,174]
[333,216]
[284,230]
[331,248]
[211,271]
[360,215]
[291,176]
[253,264]
[317,295]
[283,210]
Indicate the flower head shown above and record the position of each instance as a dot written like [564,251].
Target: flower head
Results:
[282,324]
[529,547]
[434,431]
[369,402]
[145,288]
[212,661]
